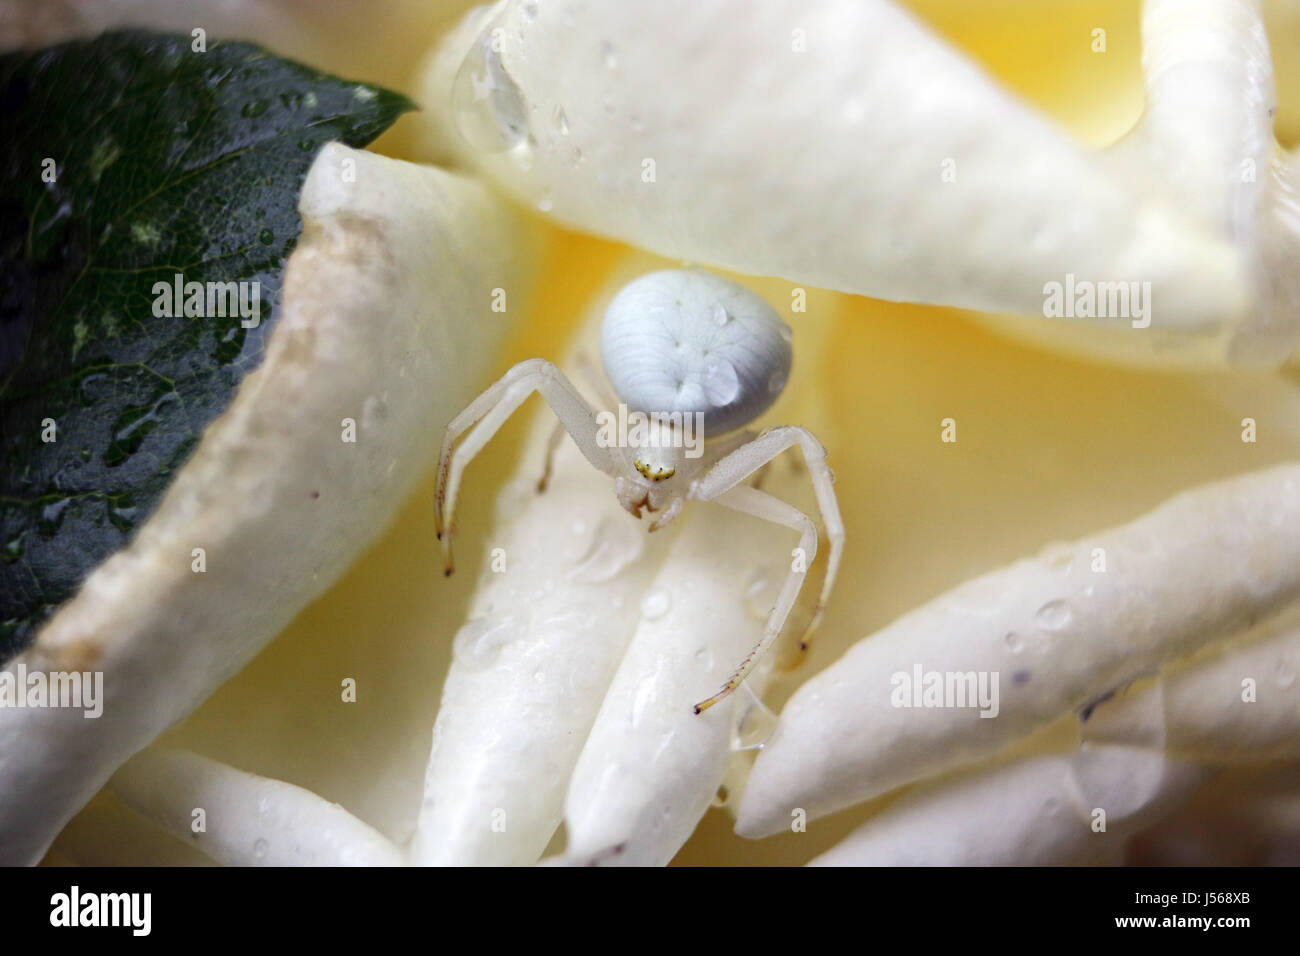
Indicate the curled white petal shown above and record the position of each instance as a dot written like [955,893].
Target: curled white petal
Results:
[844,146]
[1037,811]
[1055,632]
[386,322]
[246,820]
[1239,704]
[651,766]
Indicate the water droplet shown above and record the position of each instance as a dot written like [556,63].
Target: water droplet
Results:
[720,314]
[1014,644]
[655,604]
[254,108]
[646,692]
[561,121]
[776,382]
[721,383]
[14,547]
[479,641]
[1058,557]
[487,104]
[260,849]
[1285,675]
[266,237]
[608,55]
[374,410]
[615,545]
[754,724]
[1054,615]
[787,333]
[704,657]
[267,815]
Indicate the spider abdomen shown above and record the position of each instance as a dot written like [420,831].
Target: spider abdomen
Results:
[683,340]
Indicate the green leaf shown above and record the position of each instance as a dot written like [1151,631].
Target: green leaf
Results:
[166,162]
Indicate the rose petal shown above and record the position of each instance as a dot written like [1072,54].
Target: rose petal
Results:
[387,321]
[825,166]
[1056,633]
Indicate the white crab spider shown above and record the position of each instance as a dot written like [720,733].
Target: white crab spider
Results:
[675,343]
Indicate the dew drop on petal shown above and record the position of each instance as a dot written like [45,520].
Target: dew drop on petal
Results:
[721,383]
[754,725]
[1054,615]
[479,641]
[615,545]
[720,314]
[1058,557]
[488,107]
[655,604]
[561,121]
[1014,643]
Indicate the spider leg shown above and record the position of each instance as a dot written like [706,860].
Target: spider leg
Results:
[487,413]
[591,374]
[739,464]
[762,505]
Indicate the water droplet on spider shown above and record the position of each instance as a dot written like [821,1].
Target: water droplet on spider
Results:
[786,333]
[608,55]
[489,109]
[1054,615]
[755,723]
[1284,675]
[721,383]
[254,108]
[720,314]
[1014,643]
[776,382]
[655,604]
[561,121]
[260,849]
[479,641]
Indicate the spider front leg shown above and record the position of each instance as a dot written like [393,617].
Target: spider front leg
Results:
[594,381]
[488,412]
[722,484]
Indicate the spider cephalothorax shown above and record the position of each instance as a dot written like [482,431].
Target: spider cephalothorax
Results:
[692,359]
